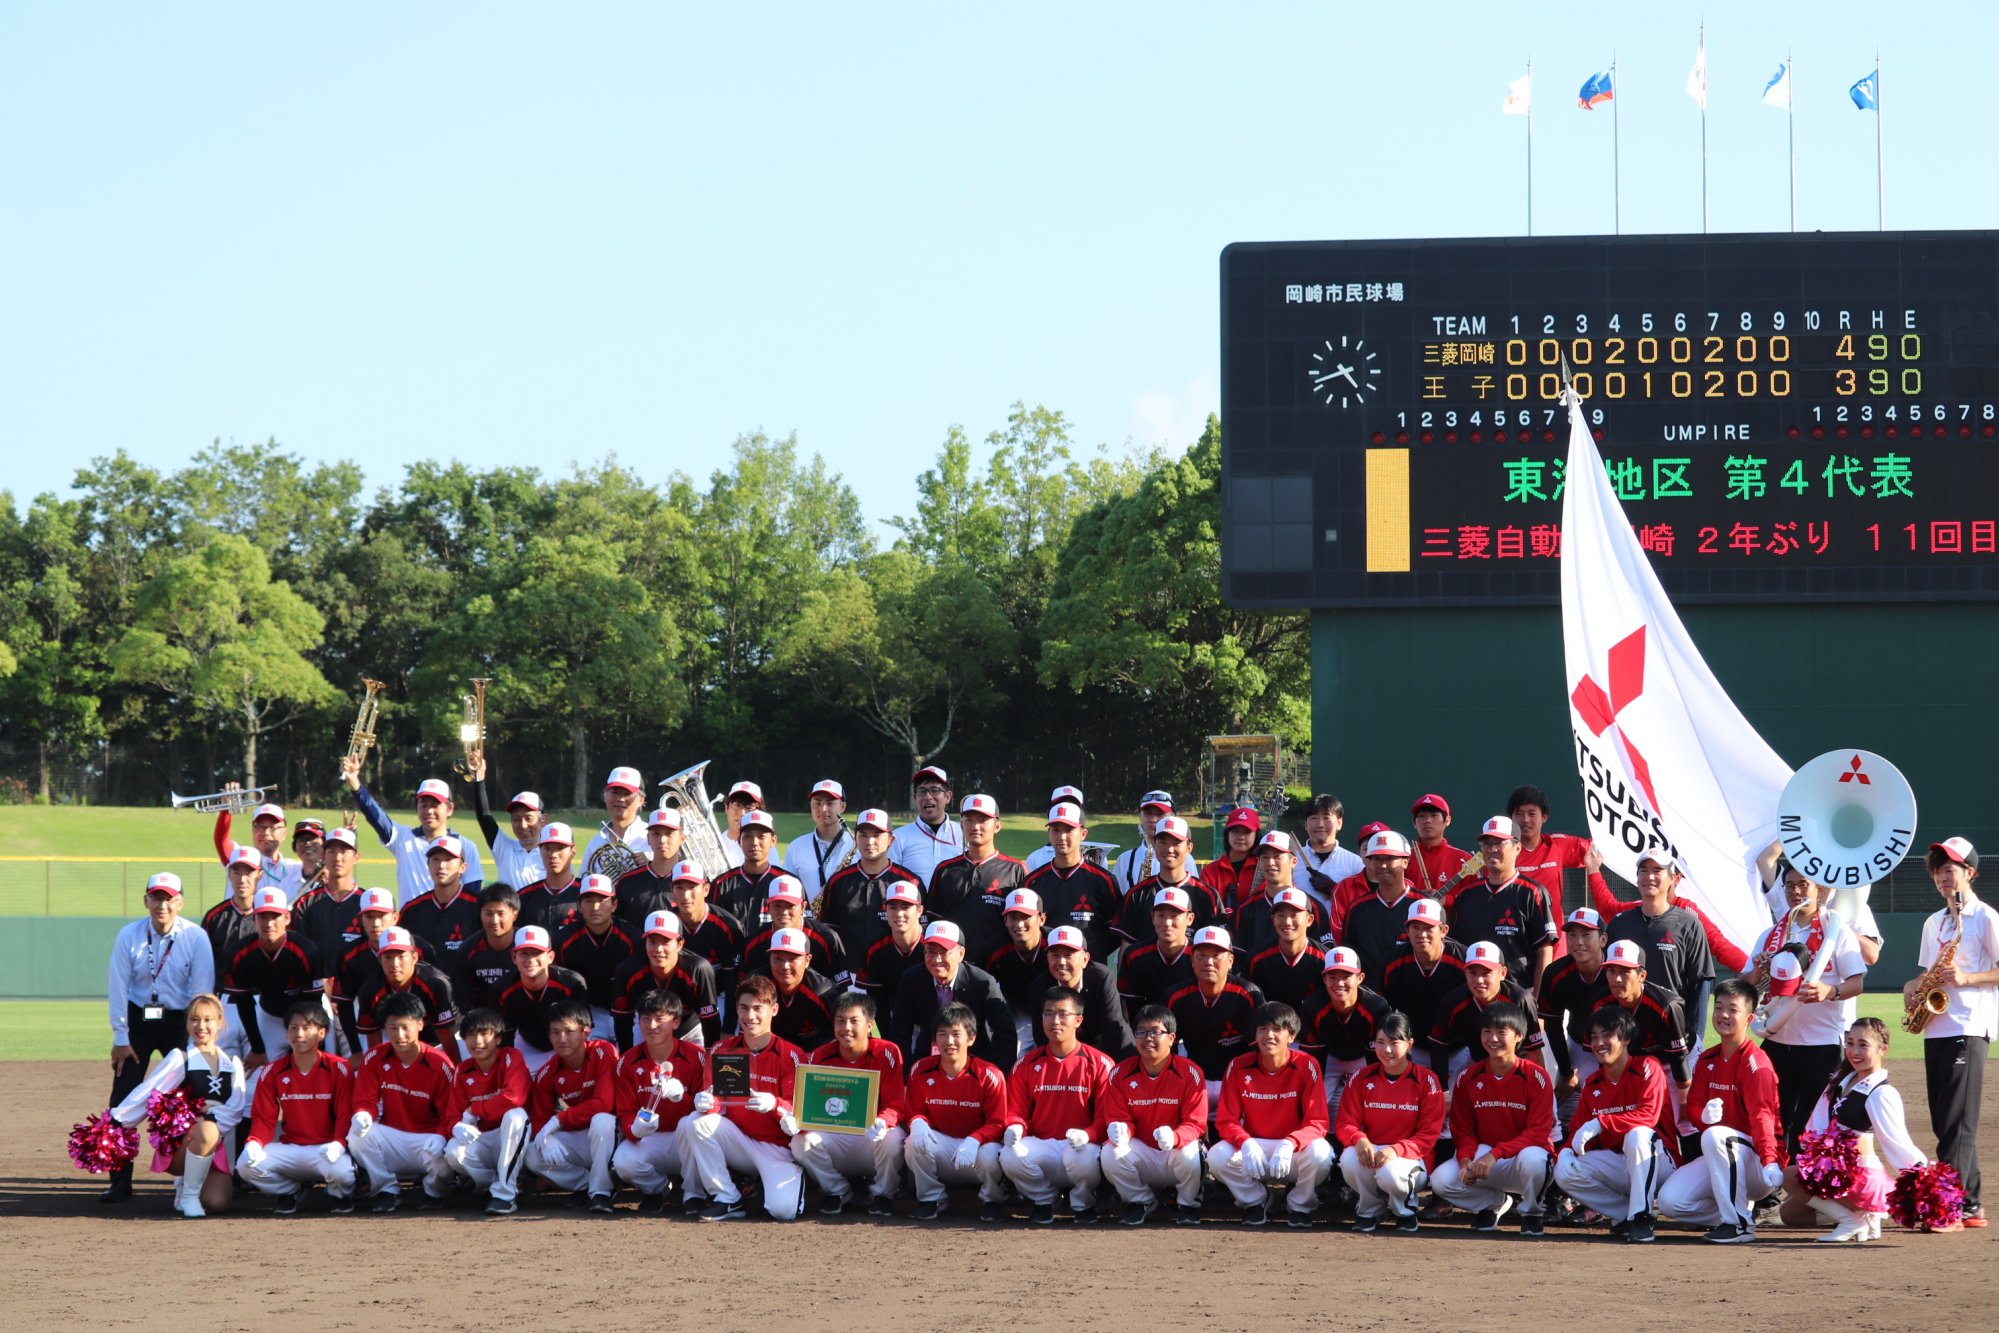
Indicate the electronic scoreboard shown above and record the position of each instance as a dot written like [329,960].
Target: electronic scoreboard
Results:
[1787,418]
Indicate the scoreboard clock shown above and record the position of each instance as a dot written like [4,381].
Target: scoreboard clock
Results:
[1786,417]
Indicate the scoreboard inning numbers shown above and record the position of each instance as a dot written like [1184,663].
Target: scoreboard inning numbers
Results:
[1785,417]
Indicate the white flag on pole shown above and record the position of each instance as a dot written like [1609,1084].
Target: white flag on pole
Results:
[1666,759]
[1777,92]
[1697,81]
[1519,97]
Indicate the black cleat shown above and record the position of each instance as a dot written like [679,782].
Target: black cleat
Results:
[724,1212]
[1135,1214]
[1620,1230]
[1041,1214]
[600,1203]
[833,1205]
[693,1206]
[388,1201]
[1639,1229]
[116,1192]
[1366,1225]
[1531,1226]
[1407,1225]
[1083,1215]
[993,1211]
[880,1205]
[929,1210]
[1487,1220]
[1185,1215]
[1255,1215]
[501,1207]
[340,1203]
[1297,1219]
[285,1205]
[1730,1234]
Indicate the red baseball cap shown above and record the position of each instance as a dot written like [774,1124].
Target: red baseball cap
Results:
[1785,974]
[1245,816]
[1368,830]
[1431,801]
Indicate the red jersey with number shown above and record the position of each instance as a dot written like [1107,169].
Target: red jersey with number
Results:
[488,1093]
[639,1080]
[1505,1112]
[571,1096]
[772,1070]
[1176,1097]
[410,1097]
[882,1056]
[1052,1094]
[308,1109]
[1259,1103]
[1746,1083]
[1639,1100]
[1403,1112]
[971,1106]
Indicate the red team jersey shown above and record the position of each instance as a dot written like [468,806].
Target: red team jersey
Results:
[488,1093]
[302,1108]
[1431,868]
[1637,1101]
[1050,1095]
[971,1106]
[1747,1086]
[636,1075]
[410,1097]
[1505,1112]
[1176,1098]
[1258,1103]
[571,1096]
[771,1070]
[1403,1113]
[882,1056]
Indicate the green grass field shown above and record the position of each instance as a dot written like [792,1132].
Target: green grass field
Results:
[77,861]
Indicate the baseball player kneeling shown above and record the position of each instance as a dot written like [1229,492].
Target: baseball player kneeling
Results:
[572,1110]
[1155,1114]
[1390,1116]
[300,1108]
[956,1109]
[488,1111]
[1618,1156]
[1502,1123]
[833,1160]
[657,1080]
[753,1132]
[1054,1128]
[1272,1123]
[400,1093]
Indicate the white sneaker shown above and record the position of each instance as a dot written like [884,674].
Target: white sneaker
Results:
[1853,1229]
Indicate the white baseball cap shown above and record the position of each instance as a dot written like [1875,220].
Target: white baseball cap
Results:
[1484,954]
[689,872]
[1276,841]
[531,937]
[1959,850]
[666,817]
[902,891]
[663,923]
[1586,917]
[1388,843]
[1067,937]
[598,884]
[979,804]
[245,856]
[1291,898]
[1427,910]
[874,819]
[1022,900]
[785,889]
[1499,826]
[628,778]
[341,837]
[1212,937]
[1176,899]
[930,771]
[1173,827]
[1622,953]
[267,811]
[557,834]
[790,940]
[1061,794]
[1066,812]
[449,844]
[1343,960]
[828,787]
[270,898]
[1157,800]
[433,787]
[944,934]
[528,800]
[164,882]
[749,790]
[378,900]
[395,940]
[757,819]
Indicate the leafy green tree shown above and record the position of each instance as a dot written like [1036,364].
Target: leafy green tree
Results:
[55,668]
[299,518]
[225,640]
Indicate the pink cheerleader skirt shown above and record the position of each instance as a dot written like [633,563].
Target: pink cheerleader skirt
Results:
[1870,1192]
[164,1161]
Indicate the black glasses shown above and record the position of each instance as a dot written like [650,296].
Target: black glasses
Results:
[1151,1034]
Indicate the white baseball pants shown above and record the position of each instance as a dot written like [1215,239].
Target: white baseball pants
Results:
[1309,1167]
[1620,1184]
[1391,1187]
[287,1168]
[586,1154]
[1048,1165]
[493,1160]
[1139,1168]
[932,1160]
[1525,1175]
[839,1158]
[715,1145]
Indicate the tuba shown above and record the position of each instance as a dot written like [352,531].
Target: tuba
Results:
[1846,819]
[701,836]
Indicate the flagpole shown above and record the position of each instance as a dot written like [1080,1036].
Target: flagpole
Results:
[1616,180]
[1530,147]
[1880,181]
[1791,123]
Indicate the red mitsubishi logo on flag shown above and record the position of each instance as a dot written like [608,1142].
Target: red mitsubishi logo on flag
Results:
[1599,708]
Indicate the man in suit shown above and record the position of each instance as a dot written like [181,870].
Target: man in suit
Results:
[946,978]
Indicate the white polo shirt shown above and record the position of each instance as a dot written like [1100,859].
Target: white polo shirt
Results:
[1974,1010]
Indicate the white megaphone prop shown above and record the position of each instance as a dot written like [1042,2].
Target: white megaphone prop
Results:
[1846,819]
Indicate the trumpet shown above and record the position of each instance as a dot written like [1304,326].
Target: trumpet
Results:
[235,801]
[472,725]
[363,736]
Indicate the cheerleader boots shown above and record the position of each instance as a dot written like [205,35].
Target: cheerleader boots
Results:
[194,1175]
[1850,1224]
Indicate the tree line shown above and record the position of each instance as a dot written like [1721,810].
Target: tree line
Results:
[1039,618]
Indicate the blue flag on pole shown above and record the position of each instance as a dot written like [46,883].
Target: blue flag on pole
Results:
[1866,94]
[1596,90]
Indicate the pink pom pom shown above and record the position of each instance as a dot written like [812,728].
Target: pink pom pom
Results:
[1927,1198]
[1829,1162]
[99,1144]
[172,1114]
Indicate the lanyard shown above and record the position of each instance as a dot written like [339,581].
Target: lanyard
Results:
[154,996]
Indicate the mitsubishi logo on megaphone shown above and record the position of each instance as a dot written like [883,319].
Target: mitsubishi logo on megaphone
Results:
[1841,827]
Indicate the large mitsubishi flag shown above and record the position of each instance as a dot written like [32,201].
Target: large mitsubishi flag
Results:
[1666,759]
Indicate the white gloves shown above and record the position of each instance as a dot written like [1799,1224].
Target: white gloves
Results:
[553,1153]
[967,1155]
[878,1130]
[704,1102]
[1079,1138]
[362,1123]
[1586,1131]
[921,1133]
[1012,1139]
[673,1090]
[644,1124]
[811,1140]
[334,1150]
[1165,1138]
[1118,1133]
[1773,1175]
[253,1152]
[1254,1164]
[1280,1161]
[1711,1113]
[787,1123]
[469,1118]
[465,1132]
[761,1102]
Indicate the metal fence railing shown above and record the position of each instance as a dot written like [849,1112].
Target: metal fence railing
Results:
[116,886]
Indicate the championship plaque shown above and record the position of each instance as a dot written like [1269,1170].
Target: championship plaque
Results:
[835,1101]
[730,1073]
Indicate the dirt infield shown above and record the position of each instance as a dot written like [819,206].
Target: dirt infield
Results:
[70,1264]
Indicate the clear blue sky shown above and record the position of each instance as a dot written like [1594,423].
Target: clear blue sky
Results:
[534,234]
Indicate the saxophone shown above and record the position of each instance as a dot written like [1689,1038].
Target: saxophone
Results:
[1931,998]
[818,902]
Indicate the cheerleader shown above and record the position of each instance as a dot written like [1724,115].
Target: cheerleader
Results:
[214,1083]
[1862,1099]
